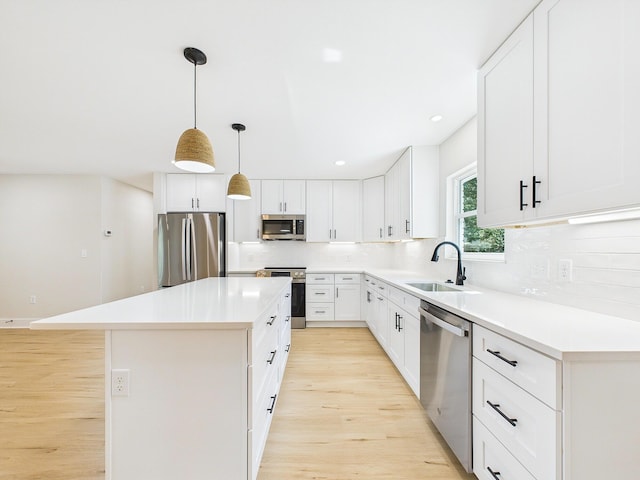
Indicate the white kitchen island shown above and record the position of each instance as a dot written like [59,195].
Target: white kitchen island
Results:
[192,375]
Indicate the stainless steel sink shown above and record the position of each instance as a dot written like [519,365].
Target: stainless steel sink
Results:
[433,287]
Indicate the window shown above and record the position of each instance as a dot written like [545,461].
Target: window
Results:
[473,241]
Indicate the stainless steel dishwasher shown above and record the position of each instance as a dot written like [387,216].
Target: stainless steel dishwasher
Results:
[445,376]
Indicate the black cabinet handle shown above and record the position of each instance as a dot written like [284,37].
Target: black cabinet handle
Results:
[522,187]
[406,226]
[287,348]
[496,406]
[273,356]
[535,182]
[494,474]
[396,321]
[400,317]
[273,403]
[513,363]
[286,319]
[271,320]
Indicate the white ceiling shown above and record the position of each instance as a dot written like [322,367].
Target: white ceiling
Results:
[102,87]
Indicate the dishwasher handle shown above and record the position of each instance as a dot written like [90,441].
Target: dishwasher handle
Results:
[456,330]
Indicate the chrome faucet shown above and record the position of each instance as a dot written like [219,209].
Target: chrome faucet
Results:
[460,277]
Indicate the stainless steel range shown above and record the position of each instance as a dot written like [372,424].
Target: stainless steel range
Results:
[298,291]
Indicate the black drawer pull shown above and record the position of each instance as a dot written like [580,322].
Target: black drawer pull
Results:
[513,363]
[273,356]
[288,347]
[271,320]
[286,319]
[496,406]
[273,403]
[493,474]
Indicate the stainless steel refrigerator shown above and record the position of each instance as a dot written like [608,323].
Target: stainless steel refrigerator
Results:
[191,246]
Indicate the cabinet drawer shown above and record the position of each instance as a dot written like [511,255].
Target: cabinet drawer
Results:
[263,409]
[405,300]
[382,288]
[489,455]
[533,371]
[265,360]
[533,436]
[347,278]
[320,311]
[319,293]
[320,278]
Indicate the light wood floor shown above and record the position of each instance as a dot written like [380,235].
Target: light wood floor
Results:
[345,413]
[51,405]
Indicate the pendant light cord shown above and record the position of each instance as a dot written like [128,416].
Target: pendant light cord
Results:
[195,87]
[238,151]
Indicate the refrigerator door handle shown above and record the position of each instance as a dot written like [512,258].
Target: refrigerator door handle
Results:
[183,249]
[193,264]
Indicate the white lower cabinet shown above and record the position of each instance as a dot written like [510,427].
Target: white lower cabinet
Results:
[514,397]
[392,317]
[529,428]
[333,297]
[491,460]
[403,336]
[271,342]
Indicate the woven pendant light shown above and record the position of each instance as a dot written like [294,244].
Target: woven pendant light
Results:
[194,152]
[239,188]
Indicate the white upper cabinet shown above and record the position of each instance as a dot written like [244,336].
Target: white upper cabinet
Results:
[247,221]
[190,192]
[412,195]
[319,221]
[373,209]
[333,211]
[557,112]
[282,197]
[587,74]
[505,130]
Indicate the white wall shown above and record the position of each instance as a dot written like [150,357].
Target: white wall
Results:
[47,221]
[127,256]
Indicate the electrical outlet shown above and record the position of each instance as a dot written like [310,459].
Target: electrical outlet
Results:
[565,268]
[540,269]
[32,299]
[120,383]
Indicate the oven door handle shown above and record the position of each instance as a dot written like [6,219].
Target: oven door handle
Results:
[458,331]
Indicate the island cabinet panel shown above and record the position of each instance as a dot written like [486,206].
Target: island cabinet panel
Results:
[200,400]
[186,413]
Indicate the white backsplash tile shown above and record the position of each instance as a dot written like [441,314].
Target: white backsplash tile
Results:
[605,263]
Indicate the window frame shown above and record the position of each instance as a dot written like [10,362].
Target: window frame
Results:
[455,215]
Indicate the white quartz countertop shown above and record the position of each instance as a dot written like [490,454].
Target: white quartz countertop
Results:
[211,303]
[562,332]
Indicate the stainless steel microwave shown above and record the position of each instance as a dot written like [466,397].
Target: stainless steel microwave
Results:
[283,227]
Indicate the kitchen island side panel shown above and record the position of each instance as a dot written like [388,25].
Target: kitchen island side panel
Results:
[186,412]
[601,417]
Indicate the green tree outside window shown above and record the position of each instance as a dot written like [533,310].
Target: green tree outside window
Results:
[471,238]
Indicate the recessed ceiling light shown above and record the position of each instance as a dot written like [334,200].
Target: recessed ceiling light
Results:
[341,163]
[436,118]
[331,55]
